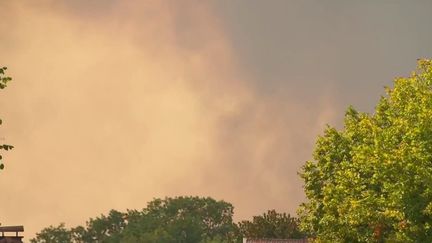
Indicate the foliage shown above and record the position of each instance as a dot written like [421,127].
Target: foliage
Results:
[4,79]
[372,181]
[105,229]
[59,234]
[3,83]
[271,225]
[180,219]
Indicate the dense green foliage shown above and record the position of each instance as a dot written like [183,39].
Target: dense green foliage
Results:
[372,181]
[53,234]
[181,219]
[101,229]
[3,83]
[176,220]
[271,225]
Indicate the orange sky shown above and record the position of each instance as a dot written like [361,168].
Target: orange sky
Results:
[115,103]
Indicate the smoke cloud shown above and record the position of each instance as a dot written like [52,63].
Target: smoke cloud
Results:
[114,103]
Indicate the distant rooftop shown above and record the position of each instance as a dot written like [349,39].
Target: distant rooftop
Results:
[11,238]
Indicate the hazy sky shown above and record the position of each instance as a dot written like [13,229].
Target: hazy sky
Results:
[115,102]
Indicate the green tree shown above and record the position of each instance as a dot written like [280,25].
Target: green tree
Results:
[181,219]
[3,83]
[372,180]
[271,225]
[59,234]
[103,229]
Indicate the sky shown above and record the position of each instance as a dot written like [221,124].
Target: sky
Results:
[114,103]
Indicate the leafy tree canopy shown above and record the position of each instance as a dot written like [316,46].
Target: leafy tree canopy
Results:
[180,219]
[271,225]
[372,181]
[107,229]
[59,234]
